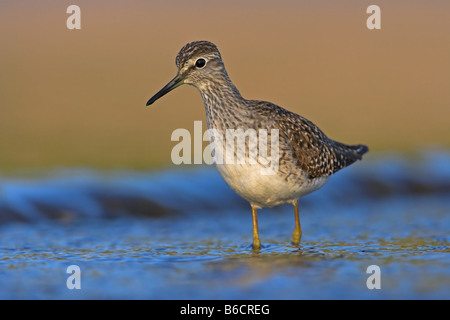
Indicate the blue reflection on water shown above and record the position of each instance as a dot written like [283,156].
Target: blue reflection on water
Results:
[183,234]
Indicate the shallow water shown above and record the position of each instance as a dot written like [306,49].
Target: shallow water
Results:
[183,234]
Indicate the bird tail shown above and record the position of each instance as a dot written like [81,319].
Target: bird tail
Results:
[357,150]
[345,154]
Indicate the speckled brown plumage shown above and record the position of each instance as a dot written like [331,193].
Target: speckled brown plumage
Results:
[307,157]
[314,152]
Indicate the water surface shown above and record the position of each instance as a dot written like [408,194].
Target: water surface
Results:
[183,234]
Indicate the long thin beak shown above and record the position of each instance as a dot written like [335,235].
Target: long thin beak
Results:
[175,82]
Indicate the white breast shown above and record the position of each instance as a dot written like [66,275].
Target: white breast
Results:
[266,190]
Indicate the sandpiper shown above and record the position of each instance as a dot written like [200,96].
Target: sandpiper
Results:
[307,157]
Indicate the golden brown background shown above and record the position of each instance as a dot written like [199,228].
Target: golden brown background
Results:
[77,97]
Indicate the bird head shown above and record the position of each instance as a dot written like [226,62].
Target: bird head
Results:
[199,64]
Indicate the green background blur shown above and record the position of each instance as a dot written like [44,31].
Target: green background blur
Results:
[77,97]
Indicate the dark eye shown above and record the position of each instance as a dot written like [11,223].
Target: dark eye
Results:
[200,63]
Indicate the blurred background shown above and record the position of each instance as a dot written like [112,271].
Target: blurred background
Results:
[77,97]
[86,176]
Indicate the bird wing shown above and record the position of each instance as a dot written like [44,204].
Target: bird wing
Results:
[315,153]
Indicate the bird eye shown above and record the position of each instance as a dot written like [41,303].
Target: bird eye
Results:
[200,63]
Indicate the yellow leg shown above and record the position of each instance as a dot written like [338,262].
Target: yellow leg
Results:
[297,234]
[256,242]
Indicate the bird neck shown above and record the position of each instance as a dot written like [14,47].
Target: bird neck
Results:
[222,100]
